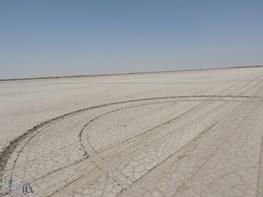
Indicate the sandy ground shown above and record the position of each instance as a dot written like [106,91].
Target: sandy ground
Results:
[190,133]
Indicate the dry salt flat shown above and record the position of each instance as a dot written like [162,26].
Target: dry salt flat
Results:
[188,133]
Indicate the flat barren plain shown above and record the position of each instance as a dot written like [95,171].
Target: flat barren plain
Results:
[168,134]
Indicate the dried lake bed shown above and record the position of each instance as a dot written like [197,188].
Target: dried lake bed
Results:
[187,133]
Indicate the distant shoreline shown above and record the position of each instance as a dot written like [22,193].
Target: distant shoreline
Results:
[128,73]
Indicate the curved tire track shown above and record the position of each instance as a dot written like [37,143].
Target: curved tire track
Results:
[30,134]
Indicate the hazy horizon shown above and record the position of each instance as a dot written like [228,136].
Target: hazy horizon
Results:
[55,38]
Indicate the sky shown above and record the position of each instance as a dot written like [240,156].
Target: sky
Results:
[71,37]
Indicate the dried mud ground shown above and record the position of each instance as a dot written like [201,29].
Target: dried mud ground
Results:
[178,134]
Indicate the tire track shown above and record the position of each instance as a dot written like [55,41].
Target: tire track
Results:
[213,153]
[37,129]
[185,151]
[98,168]
[220,100]
[86,156]
[153,168]
[81,160]
[166,122]
[129,153]
[4,156]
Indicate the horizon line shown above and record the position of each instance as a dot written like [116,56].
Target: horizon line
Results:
[128,73]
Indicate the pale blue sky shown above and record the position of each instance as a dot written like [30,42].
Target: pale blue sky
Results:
[62,37]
